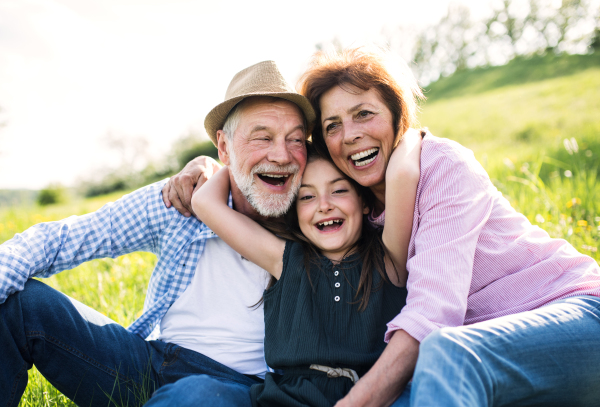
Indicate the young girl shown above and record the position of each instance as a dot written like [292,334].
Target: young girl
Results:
[339,281]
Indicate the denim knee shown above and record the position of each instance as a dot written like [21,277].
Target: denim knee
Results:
[437,343]
[449,364]
[201,390]
[34,292]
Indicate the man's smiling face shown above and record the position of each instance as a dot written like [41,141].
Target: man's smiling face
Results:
[266,155]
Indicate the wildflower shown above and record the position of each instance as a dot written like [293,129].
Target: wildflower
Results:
[508,163]
[588,153]
[574,145]
[539,218]
[582,223]
[573,202]
[597,218]
[568,174]
[570,232]
[571,145]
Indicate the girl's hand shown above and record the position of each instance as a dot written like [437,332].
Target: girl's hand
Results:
[401,179]
[405,162]
[214,192]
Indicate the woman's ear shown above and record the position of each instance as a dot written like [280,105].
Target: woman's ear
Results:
[223,146]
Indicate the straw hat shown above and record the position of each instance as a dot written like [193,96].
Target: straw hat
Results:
[262,79]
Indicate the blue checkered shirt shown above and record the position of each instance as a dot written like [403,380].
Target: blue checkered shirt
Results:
[138,221]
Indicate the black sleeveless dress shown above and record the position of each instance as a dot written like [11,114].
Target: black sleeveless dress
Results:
[320,324]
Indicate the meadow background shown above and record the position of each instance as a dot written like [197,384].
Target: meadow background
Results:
[534,124]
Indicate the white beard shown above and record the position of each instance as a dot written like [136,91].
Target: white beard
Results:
[264,202]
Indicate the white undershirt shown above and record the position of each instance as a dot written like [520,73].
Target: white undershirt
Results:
[214,316]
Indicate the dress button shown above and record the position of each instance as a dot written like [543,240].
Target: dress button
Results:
[336,273]
[336,298]
[337,285]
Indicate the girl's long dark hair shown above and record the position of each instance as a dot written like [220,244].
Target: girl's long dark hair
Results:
[369,246]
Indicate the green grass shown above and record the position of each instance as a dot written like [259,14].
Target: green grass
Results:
[114,287]
[515,118]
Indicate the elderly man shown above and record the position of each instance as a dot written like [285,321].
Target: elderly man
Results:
[200,294]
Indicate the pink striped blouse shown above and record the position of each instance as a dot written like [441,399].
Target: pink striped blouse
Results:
[472,257]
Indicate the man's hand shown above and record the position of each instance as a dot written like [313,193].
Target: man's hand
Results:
[386,380]
[179,189]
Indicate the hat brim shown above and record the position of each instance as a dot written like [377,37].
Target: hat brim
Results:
[215,119]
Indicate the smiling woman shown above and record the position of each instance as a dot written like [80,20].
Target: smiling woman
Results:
[358,132]
[489,294]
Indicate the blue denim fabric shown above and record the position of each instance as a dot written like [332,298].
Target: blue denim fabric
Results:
[88,357]
[201,390]
[545,357]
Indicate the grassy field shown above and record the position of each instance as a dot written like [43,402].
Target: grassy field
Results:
[115,287]
[515,118]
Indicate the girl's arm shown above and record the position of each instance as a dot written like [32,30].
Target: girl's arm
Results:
[401,180]
[243,234]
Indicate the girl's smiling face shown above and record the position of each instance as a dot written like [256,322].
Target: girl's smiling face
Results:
[330,210]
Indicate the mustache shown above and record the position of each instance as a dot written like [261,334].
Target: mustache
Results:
[264,167]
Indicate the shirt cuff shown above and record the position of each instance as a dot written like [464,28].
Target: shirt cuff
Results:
[413,323]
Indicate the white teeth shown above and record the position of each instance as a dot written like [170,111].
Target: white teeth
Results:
[273,175]
[362,154]
[330,222]
[361,163]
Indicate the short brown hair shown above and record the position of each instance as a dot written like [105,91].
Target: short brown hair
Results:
[364,68]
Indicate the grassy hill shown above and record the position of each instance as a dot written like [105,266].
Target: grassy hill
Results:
[520,70]
[521,110]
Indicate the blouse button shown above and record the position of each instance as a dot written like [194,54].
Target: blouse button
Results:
[337,285]
[336,298]
[336,273]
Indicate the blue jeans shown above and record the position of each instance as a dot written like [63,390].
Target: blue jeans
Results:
[546,357]
[93,360]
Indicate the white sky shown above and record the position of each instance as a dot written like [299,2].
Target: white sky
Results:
[72,71]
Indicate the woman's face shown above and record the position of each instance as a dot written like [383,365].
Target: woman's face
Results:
[358,131]
[330,211]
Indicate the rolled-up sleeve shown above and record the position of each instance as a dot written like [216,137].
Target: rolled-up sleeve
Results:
[453,205]
[129,224]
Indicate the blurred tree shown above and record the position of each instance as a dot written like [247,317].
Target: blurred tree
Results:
[135,170]
[191,146]
[513,28]
[450,45]
[595,43]
[52,194]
